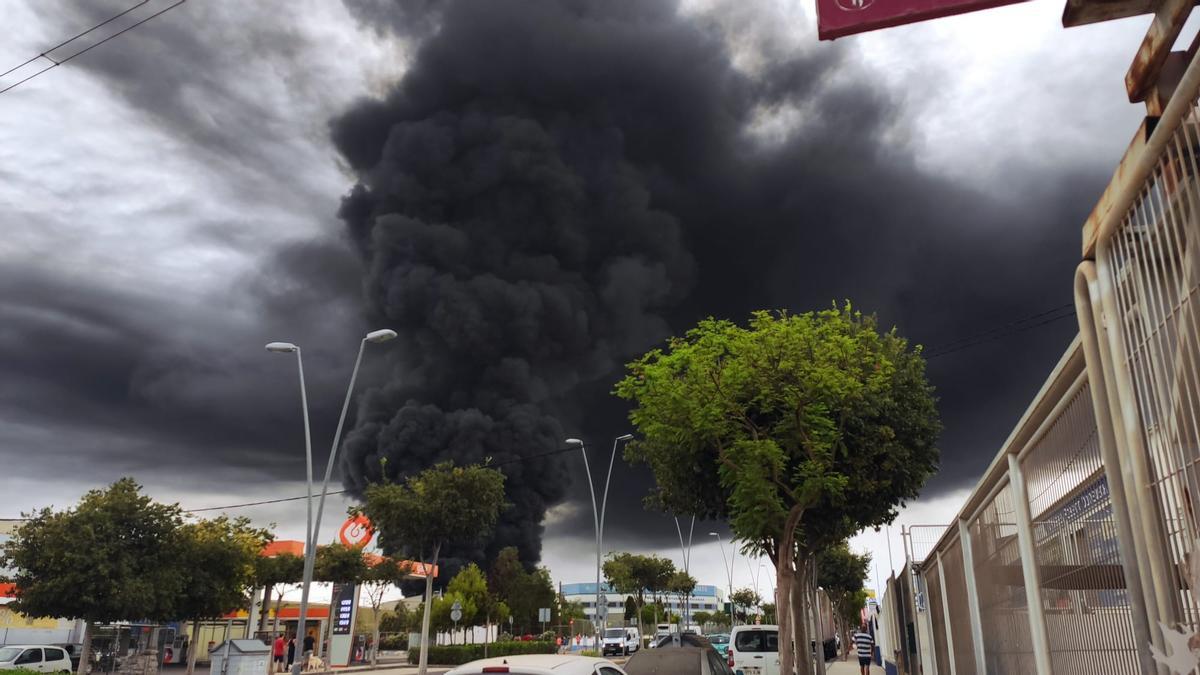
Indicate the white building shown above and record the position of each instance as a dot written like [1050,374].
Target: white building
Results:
[709,599]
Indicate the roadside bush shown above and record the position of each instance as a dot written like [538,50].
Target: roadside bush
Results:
[395,642]
[453,655]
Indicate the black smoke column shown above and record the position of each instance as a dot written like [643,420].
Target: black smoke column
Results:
[511,243]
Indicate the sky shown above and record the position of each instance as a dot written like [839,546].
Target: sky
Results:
[531,194]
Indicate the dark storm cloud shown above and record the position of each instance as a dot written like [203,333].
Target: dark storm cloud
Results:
[536,153]
[134,382]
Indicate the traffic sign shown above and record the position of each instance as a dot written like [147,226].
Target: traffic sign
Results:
[456,611]
[544,614]
[602,611]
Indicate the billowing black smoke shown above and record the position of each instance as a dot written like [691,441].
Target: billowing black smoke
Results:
[555,185]
[510,240]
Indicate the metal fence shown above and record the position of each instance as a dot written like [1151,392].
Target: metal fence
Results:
[1077,548]
[1031,577]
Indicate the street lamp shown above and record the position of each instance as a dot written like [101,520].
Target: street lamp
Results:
[729,572]
[312,530]
[598,517]
[687,559]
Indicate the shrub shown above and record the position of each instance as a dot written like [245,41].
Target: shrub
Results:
[453,655]
[395,642]
[589,652]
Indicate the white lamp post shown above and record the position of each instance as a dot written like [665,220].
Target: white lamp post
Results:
[729,573]
[312,530]
[598,518]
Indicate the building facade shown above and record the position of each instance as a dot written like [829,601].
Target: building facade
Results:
[704,599]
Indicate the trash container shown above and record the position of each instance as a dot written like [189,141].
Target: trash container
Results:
[246,657]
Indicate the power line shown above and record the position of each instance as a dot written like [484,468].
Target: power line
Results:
[54,63]
[1004,330]
[490,465]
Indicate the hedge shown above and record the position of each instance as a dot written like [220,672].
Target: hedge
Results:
[453,655]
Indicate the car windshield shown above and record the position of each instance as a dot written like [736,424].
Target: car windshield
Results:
[9,653]
[614,633]
[718,639]
[757,641]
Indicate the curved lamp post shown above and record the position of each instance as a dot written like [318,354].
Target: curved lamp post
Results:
[729,573]
[312,529]
[598,517]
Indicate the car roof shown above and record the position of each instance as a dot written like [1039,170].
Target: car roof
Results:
[765,626]
[31,646]
[664,661]
[551,663]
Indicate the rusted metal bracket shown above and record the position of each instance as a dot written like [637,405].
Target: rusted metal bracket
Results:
[1156,47]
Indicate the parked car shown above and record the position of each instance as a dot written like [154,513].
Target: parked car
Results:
[754,650]
[540,664]
[720,642]
[42,658]
[623,641]
[682,660]
[74,652]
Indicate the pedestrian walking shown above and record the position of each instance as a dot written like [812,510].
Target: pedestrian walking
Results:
[291,652]
[277,650]
[309,643]
[864,644]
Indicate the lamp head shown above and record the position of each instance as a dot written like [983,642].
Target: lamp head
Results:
[382,335]
[626,437]
[281,347]
[574,441]
[713,534]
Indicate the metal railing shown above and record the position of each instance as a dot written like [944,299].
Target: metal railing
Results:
[1032,579]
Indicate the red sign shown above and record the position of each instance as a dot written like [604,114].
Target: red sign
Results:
[839,18]
[356,531]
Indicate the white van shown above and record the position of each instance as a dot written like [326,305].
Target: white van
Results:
[754,650]
[624,641]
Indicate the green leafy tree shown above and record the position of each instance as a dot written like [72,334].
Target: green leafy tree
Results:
[841,572]
[397,620]
[443,504]
[702,618]
[221,556]
[523,592]
[744,599]
[273,574]
[768,609]
[379,576]
[116,556]
[797,429]
[631,608]
[682,585]
[636,575]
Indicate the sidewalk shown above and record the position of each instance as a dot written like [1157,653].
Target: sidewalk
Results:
[849,667]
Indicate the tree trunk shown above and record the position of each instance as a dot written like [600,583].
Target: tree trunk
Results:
[800,618]
[85,651]
[375,643]
[266,609]
[818,620]
[275,621]
[783,615]
[423,662]
[194,647]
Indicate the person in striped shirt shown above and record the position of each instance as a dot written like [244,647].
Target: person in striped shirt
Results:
[865,645]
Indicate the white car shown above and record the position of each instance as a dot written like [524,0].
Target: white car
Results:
[754,650]
[540,664]
[42,658]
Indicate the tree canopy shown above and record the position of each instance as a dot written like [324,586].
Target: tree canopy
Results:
[523,592]
[444,504]
[798,429]
[115,556]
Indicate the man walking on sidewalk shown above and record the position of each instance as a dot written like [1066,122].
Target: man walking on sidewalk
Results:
[864,644]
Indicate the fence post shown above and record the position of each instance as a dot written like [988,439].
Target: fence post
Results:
[1033,583]
[1142,605]
[964,538]
[945,615]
